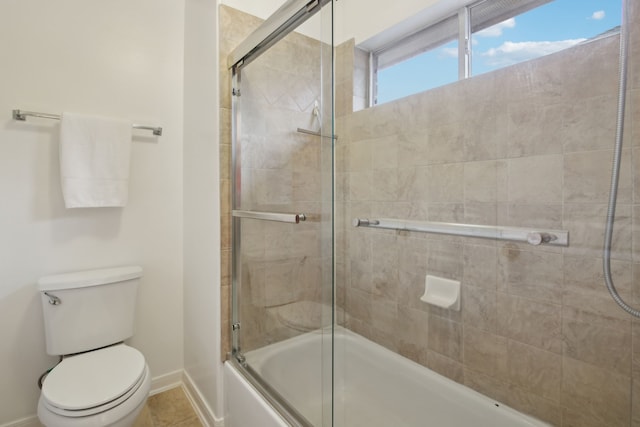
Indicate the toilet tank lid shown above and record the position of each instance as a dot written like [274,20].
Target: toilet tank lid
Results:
[88,278]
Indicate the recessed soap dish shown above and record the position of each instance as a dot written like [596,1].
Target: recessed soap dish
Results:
[442,292]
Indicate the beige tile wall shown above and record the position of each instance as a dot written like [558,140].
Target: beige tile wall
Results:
[530,146]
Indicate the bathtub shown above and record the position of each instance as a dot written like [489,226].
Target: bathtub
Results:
[374,387]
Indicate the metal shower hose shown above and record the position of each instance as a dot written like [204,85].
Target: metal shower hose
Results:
[615,173]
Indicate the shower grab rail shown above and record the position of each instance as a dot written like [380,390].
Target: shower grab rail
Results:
[315,133]
[22,115]
[270,216]
[516,234]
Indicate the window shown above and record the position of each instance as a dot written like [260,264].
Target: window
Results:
[406,68]
[485,36]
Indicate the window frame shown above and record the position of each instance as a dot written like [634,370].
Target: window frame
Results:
[465,30]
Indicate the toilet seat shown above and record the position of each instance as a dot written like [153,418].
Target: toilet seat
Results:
[70,388]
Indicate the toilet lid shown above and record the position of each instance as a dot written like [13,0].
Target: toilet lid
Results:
[94,378]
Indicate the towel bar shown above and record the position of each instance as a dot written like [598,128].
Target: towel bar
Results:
[270,216]
[22,116]
[531,236]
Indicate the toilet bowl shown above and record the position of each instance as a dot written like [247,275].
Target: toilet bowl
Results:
[100,381]
[106,387]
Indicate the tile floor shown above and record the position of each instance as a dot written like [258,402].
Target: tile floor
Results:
[169,408]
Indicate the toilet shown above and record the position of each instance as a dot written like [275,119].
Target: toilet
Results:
[100,380]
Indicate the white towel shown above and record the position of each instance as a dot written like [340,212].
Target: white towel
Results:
[94,160]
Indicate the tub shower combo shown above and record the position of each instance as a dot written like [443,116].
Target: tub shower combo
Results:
[410,263]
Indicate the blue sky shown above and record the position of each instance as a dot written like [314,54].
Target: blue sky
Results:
[549,28]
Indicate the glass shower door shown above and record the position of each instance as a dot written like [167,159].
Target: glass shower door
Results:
[283,223]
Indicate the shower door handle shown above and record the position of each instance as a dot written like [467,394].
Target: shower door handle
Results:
[270,216]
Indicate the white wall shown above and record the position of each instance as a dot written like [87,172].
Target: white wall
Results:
[201,205]
[262,9]
[120,58]
[362,19]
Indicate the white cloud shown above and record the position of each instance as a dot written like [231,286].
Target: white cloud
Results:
[496,30]
[598,15]
[511,53]
[451,52]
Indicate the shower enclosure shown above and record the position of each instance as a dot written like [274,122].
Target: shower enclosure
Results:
[437,256]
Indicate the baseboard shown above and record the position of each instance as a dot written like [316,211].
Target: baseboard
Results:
[31,421]
[166,382]
[204,411]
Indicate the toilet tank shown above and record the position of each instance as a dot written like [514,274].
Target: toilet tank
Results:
[86,310]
